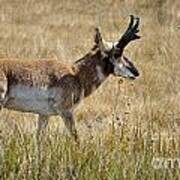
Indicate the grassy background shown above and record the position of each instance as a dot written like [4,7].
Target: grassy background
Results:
[123,126]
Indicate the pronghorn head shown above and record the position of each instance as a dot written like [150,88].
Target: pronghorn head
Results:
[122,66]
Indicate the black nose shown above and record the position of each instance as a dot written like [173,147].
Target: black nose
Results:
[136,73]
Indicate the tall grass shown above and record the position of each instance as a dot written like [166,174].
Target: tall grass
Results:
[123,126]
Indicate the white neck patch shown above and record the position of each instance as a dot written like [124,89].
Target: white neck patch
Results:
[100,73]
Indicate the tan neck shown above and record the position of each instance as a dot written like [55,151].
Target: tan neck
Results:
[92,70]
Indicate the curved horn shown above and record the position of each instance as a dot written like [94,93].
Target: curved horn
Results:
[130,33]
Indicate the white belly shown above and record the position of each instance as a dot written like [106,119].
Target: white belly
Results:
[31,99]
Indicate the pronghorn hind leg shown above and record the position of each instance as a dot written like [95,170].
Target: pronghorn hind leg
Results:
[69,122]
[3,88]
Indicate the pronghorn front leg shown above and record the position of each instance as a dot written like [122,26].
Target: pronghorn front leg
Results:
[3,88]
[42,123]
[69,122]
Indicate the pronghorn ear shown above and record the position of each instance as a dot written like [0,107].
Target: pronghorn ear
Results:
[99,43]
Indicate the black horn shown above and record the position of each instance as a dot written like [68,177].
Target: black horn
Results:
[130,34]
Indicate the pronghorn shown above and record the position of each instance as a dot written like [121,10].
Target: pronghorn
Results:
[48,87]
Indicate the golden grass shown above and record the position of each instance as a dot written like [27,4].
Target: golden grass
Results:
[122,126]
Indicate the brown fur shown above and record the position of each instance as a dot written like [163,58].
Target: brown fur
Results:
[52,73]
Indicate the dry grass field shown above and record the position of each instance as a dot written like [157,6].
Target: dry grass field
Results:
[124,127]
